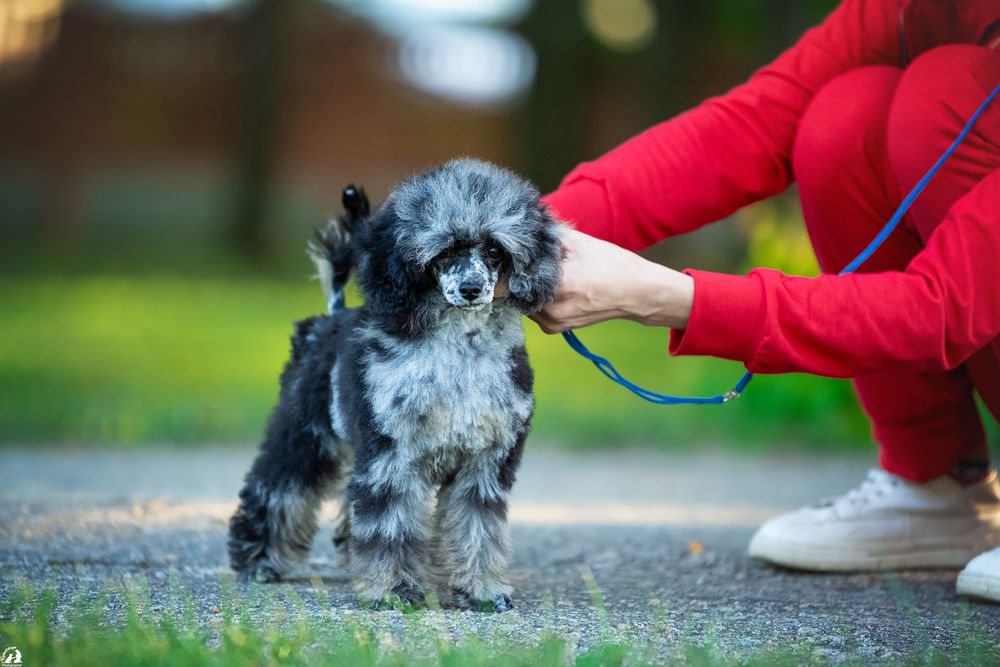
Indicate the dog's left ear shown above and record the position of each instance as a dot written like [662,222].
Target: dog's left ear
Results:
[532,283]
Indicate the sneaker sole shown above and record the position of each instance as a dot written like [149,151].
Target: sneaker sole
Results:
[978,586]
[804,557]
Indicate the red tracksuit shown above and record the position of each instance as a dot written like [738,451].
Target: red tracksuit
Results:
[854,114]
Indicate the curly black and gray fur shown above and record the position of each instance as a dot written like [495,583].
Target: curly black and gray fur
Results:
[415,405]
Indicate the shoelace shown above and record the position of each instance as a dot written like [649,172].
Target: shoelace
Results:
[875,485]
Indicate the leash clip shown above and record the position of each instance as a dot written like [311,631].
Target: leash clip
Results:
[730,395]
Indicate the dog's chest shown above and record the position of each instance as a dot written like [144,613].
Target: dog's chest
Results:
[451,392]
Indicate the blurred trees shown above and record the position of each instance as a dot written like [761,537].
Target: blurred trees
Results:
[264,41]
[589,95]
[199,144]
[177,137]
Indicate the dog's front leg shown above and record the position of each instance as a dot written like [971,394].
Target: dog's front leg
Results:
[389,516]
[473,539]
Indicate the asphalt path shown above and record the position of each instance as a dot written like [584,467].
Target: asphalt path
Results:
[660,538]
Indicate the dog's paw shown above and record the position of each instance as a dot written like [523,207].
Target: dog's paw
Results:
[404,597]
[502,603]
[261,574]
[498,604]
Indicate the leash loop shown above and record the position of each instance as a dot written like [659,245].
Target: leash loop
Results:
[608,369]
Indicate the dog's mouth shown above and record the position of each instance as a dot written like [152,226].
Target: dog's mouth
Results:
[472,307]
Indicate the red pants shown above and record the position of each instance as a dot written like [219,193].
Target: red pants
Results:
[866,139]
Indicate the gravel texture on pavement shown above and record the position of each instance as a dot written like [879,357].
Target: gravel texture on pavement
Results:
[664,538]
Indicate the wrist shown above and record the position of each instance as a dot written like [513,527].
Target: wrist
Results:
[663,298]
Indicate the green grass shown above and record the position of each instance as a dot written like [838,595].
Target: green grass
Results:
[124,627]
[162,358]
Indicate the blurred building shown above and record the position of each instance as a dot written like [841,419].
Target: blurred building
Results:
[92,96]
[171,124]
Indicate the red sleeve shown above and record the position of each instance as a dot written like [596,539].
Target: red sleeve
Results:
[934,315]
[729,151]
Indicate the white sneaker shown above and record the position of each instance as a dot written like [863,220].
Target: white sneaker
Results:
[887,523]
[981,577]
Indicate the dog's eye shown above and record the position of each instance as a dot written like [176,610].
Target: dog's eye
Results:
[494,253]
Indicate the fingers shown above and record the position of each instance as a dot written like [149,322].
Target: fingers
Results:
[549,324]
[567,313]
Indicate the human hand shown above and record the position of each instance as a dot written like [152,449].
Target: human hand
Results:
[601,281]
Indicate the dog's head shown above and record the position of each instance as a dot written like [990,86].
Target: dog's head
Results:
[446,237]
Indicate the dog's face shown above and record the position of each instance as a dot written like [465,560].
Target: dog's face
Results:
[467,273]
[445,238]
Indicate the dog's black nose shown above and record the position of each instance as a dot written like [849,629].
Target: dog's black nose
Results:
[470,290]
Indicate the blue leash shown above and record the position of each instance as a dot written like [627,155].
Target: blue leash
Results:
[612,373]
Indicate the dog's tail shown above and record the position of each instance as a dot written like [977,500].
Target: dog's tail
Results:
[330,249]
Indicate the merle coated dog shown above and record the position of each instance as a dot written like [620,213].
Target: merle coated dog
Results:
[416,405]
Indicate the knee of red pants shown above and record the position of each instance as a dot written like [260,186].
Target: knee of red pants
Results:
[935,97]
[924,423]
[840,164]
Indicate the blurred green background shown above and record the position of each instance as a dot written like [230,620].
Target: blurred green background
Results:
[162,163]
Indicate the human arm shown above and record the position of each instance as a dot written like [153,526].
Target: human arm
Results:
[934,315]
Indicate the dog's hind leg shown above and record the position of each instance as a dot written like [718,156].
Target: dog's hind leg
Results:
[342,530]
[276,521]
[300,459]
[473,538]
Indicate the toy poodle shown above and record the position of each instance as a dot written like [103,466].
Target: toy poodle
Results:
[413,407]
